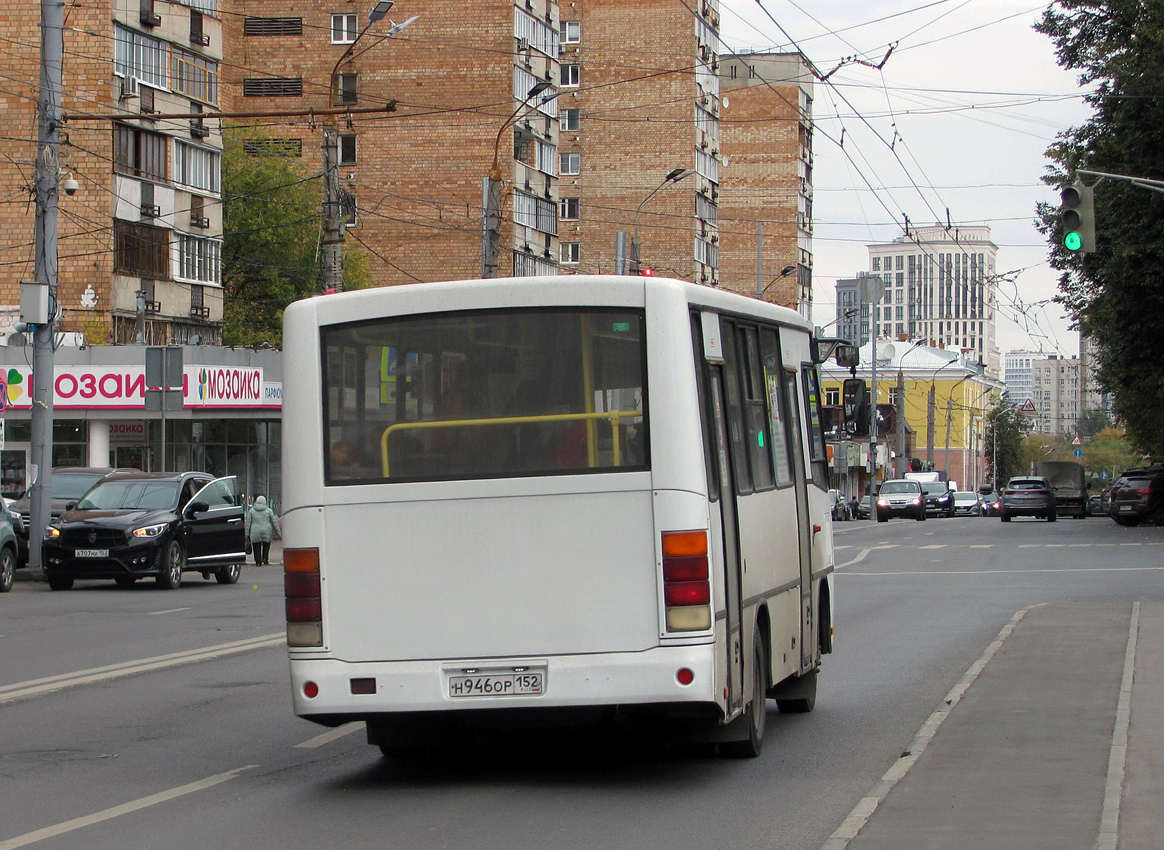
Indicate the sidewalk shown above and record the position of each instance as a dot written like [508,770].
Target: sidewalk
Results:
[1030,753]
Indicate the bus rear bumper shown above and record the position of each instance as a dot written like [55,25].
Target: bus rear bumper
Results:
[346,691]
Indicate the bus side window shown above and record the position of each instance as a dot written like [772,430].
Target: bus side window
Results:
[755,411]
[735,412]
[705,415]
[816,442]
[777,416]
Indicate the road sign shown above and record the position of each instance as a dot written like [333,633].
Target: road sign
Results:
[1103,475]
[1028,407]
[1078,441]
[1079,452]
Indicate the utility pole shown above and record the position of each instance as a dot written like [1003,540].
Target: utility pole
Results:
[620,252]
[901,460]
[930,426]
[949,417]
[48,169]
[333,219]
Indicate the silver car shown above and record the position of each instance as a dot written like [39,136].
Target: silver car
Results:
[1027,496]
[901,497]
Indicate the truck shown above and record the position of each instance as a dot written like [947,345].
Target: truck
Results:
[1069,481]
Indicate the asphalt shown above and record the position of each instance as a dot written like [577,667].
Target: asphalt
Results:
[1054,739]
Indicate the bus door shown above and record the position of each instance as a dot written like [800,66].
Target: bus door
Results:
[804,517]
[723,509]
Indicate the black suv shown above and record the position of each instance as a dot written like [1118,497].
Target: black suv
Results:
[939,498]
[1138,496]
[137,524]
[68,484]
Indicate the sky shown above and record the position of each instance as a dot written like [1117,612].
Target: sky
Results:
[956,122]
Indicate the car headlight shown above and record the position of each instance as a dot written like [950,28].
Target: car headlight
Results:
[882,503]
[52,532]
[149,530]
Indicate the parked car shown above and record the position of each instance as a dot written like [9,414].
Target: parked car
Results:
[1138,496]
[967,503]
[901,497]
[68,484]
[137,524]
[8,545]
[1095,505]
[1027,496]
[865,507]
[939,498]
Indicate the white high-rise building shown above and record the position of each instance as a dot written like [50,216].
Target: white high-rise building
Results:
[1019,374]
[940,287]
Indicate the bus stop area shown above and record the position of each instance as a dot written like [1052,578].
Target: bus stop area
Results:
[1054,739]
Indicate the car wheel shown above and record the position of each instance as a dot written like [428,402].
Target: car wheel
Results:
[1004,517]
[756,713]
[170,571]
[1051,516]
[921,516]
[882,518]
[7,569]
[228,574]
[60,583]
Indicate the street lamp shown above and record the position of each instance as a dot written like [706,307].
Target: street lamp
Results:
[784,272]
[377,13]
[491,188]
[673,176]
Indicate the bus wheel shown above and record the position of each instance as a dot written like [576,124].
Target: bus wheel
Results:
[805,699]
[755,716]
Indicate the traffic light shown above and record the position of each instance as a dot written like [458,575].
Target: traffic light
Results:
[855,398]
[886,419]
[1077,215]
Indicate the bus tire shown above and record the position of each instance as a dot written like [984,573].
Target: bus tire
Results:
[805,699]
[755,716]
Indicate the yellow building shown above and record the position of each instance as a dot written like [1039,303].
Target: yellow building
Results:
[944,398]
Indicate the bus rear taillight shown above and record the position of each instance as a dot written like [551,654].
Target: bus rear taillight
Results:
[301,589]
[686,581]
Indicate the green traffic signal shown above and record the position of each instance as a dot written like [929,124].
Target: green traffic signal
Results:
[1077,217]
[1073,241]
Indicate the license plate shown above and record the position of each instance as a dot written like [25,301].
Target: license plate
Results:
[497,685]
[92,553]
[1127,509]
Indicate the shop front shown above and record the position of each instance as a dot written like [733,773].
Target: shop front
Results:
[228,422]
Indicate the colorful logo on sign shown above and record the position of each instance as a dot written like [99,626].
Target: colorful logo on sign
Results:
[10,389]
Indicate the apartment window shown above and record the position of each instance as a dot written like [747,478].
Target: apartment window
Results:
[200,168]
[344,29]
[347,149]
[535,212]
[571,74]
[141,250]
[138,55]
[197,32]
[570,163]
[272,26]
[199,258]
[571,253]
[535,33]
[568,208]
[345,89]
[876,264]
[833,397]
[706,253]
[139,153]
[273,87]
[570,119]
[194,75]
[571,32]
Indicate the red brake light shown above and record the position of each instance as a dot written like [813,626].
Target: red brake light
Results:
[302,591]
[686,582]
[304,610]
[687,592]
[685,569]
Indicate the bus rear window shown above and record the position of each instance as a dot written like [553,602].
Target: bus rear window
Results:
[484,394]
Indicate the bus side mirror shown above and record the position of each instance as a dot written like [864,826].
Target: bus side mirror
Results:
[855,396]
[848,356]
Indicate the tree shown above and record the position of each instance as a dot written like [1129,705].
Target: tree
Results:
[1005,429]
[1114,294]
[271,231]
[1109,451]
[1091,422]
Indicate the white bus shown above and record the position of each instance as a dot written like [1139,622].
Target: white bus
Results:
[557,497]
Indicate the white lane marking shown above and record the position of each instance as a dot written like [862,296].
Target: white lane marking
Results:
[982,546]
[167,611]
[934,546]
[35,687]
[333,735]
[1109,823]
[1007,572]
[123,809]
[861,813]
[863,553]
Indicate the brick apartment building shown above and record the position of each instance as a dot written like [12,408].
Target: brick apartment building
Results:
[140,240]
[626,93]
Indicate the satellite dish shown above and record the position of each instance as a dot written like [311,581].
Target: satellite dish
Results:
[886,352]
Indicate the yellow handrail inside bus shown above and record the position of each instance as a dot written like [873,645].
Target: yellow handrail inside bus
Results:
[615,416]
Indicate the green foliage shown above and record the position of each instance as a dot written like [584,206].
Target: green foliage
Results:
[1114,295]
[1008,427]
[270,255]
[1109,451]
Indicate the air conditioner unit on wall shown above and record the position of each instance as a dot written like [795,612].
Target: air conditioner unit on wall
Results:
[128,88]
